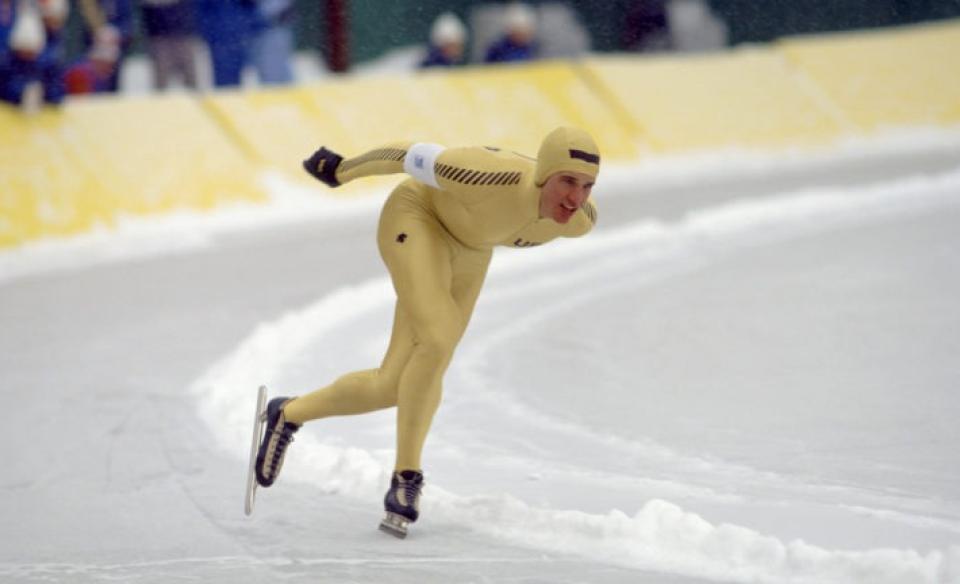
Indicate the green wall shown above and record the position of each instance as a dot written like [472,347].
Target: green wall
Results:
[376,26]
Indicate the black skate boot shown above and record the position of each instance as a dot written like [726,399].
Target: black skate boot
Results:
[402,502]
[276,437]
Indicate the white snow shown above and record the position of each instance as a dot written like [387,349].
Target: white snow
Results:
[744,375]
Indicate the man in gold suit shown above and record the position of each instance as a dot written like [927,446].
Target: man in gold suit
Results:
[436,236]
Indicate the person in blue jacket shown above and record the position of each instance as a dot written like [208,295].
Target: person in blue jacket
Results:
[54,15]
[519,42]
[447,38]
[8,15]
[273,42]
[28,73]
[228,27]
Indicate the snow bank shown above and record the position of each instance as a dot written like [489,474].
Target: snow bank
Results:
[180,232]
[660,536]
[663,537]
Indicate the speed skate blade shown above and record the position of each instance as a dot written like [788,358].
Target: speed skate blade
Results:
[260,418]
[395,525]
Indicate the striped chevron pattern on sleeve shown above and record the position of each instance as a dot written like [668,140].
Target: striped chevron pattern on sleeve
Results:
[467,176]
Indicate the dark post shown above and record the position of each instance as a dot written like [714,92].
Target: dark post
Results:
[338,58]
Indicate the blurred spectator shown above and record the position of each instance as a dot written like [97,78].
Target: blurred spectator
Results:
[54,15]
[560,32]
[646,26]
[96,72]
[27,78]
[108,20]
[170,27]
[694,26]
[8,13]
[519,41]
[447,39]
[273,43]
[228,27]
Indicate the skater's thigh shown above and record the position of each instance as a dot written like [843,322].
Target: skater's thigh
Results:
[469,272]
[419,256]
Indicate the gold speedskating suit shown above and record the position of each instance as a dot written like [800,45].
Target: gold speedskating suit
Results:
[436,235]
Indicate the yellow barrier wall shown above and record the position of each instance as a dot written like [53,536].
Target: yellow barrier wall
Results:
[43,188]
[64,171]
[744,98]
[906,76]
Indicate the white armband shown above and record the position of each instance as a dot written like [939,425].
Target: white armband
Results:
[420,160]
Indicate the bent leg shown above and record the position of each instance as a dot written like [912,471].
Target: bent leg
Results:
[361,391]
[354,393]
[419,255]
[364,391]
[437,282]
[469,273]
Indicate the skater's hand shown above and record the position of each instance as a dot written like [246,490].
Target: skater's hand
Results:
[323,166]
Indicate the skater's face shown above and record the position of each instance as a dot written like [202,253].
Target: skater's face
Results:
[563,194]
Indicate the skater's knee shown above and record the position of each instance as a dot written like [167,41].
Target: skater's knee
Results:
[441,338]
[385,384]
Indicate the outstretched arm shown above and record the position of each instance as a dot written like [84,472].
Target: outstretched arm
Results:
[334,170]
[453,169]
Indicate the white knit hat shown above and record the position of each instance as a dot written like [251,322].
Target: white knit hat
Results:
[447,28]
[28,33]
[519,16]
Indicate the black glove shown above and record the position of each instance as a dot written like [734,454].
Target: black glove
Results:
[323,166]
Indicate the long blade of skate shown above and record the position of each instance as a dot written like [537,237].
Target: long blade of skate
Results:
[395,525]
[258,423]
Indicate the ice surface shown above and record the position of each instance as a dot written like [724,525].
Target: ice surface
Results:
[746,374]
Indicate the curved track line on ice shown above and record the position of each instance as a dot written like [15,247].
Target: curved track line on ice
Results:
[661,536]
